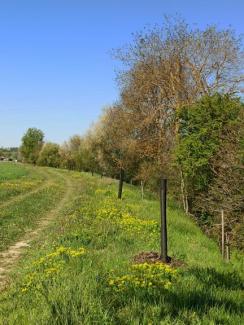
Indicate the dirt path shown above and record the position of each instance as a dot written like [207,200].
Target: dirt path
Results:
[9,257]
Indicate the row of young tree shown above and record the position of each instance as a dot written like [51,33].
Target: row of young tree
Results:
[178,116]
[74,154]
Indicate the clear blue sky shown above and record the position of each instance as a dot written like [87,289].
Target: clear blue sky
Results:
[56,72]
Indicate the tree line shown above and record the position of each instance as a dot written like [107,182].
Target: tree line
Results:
[9,153]
[179,115]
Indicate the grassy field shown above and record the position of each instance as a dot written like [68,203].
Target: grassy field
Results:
[16,179]
[80,269]
[26,194]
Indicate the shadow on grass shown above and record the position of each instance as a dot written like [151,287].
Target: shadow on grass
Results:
[200,302]
[210,277]
[213,292]
[210,289]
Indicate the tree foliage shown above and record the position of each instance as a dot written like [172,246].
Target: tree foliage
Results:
[49,155]
[209,158]
[32,143]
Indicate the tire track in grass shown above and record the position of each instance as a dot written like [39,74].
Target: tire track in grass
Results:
[20,197]
[9,257]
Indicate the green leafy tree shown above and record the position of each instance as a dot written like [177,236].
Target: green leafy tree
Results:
[31,146]
[206,129]
[49,155]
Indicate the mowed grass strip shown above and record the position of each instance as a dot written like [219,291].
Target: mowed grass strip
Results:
[80,271]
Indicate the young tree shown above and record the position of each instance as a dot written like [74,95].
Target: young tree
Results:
[117,144]
[71,153]
[49,155]
[31,146]
[88,151]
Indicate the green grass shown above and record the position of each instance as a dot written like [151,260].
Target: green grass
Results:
[10,171]
[16,219]
[66,289]
[22,214]
[16,179]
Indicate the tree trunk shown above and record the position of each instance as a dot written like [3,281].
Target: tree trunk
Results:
[183,193]
[142,190]
[227,247]
[121,181]
[222,234]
